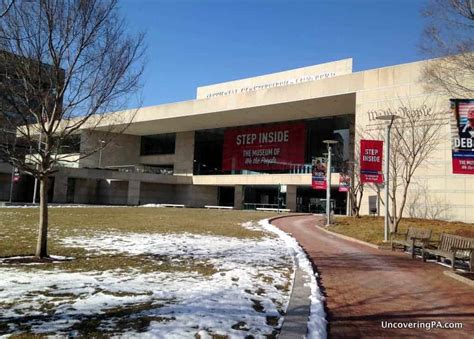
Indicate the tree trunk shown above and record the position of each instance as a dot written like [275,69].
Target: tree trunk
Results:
[42,245]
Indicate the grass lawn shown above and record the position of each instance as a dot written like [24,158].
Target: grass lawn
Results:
[132,270]
[370,229]
[18,226]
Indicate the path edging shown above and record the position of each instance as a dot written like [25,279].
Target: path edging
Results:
[453,275]
[300,298]
[345,237]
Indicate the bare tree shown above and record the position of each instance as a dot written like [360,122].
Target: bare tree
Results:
[65,63]
[356,188]
[449,36]
[5,7]
[424,205]
[414,138]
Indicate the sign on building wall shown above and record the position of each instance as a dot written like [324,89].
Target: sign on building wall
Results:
[273,147]
[318,174]
[463,136]
[371,157]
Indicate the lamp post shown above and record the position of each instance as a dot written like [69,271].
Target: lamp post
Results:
[390,118]
[328,181]
[101,147]
[278,198]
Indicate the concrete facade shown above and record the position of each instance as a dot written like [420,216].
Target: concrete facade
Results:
[320,91]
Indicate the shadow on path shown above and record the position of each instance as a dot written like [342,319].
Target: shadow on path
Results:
[366,287]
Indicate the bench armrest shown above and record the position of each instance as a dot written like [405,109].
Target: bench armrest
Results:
[427,243]
[395,236]
[424,239]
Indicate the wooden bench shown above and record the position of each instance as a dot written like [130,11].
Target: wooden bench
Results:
[173,205]
[219,207]
[414,238]
[452,247]
[273,209]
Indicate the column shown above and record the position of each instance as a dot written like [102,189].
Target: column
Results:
[184,153]
[291,197]
[238,197]
[60,189]
[133,197]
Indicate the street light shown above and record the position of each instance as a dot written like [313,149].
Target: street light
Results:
[390,118]
[328,181]
[102,143]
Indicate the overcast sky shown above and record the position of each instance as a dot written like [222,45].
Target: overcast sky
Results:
[199,42]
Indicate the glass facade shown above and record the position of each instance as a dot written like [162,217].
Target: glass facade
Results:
[158,144]
[209,147]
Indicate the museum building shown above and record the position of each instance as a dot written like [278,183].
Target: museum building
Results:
[250,144]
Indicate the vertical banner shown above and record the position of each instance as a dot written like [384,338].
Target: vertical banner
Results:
[463,136]
[344,182]
[371,157]
[16,175]
[318,174]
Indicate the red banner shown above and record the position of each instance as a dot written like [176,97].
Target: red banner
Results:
[371,157]
[272,147]
[318,174]
[463,138]
[344,182]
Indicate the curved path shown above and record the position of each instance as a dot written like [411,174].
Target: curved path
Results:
[365,287]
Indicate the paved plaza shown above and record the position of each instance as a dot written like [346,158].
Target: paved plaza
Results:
[366,287]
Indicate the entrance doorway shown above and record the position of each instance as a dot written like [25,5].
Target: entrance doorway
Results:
[309,200]
[264,197]
[225,195]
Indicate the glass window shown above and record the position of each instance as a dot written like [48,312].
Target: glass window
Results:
[158,144]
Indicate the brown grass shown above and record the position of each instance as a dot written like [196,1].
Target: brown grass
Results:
[18,237]
[18,226]
[370,229]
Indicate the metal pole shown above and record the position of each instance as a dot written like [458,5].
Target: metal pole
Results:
[279,189]
[387,179]
[328,188]
[100,157]
[11,185]
[378,200]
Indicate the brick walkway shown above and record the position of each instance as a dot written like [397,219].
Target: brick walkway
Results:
[365,287]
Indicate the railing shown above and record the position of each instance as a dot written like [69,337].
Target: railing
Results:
[253,206]
[140,169]
[291,169]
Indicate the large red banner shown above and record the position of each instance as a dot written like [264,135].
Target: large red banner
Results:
[463,138]
[273,147]
[371,157]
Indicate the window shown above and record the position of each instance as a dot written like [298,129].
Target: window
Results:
[158,144]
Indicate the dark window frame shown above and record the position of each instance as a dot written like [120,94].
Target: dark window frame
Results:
[158,144]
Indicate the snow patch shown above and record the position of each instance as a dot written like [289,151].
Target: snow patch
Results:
[235,301]
[317,320]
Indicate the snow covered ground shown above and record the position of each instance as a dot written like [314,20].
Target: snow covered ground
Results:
[246,292]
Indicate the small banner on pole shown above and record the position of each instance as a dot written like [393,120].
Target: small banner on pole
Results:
[371,156]
[318,174]
[463,136]
[16,175]
[344,182]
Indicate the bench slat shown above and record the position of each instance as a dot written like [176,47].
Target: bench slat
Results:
[446,245]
